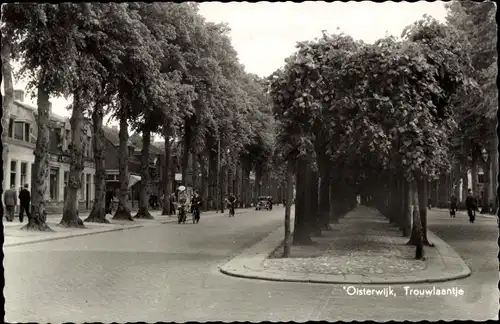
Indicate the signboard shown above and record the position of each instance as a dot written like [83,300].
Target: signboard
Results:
[64,159]
[178,177]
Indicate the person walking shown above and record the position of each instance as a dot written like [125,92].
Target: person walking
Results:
[172,204]
[471,205]
[453,206]
[24,203]
[196,206]
[10,201]
[108,200]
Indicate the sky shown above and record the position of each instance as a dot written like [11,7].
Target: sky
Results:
[264,33]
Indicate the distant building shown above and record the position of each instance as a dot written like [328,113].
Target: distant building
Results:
[21,141]
[156,164]
[112,147]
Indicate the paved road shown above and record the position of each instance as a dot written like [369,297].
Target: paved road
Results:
[169,273]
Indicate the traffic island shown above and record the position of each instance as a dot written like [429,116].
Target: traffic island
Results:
[361,249]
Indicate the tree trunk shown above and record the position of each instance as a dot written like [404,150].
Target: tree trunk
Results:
[258,183]
[407,226]
[422,193]
[301,235]
[474,178]
[212,180]
[245,185]
[8,100]
[185,155]
[465,187]
[70,212]
[486,165]
[38,219]
[494,173]
[123,210]
[98,213]
[324,198]
[143,211]
[167,184]
[334,203]
[221,187]
[314,217]
[417,223]
[288,207]
[203,182]
[237,182]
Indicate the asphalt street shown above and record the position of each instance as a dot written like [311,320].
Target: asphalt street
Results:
[170,272]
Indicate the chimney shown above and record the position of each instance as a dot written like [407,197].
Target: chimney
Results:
[114,127]
[19,95]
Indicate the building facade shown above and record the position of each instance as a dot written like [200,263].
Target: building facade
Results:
[21,142]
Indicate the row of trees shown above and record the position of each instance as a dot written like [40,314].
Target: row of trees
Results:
[476,142]
[380,120]
[158,68]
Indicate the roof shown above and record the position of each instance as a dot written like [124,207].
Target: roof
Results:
[52,116]
[113,136]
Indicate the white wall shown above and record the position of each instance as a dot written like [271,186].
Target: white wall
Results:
[24,154]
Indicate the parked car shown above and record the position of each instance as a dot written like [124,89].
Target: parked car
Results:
[264,202]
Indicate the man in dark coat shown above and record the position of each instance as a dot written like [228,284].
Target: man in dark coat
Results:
[453,206]
[24,202]
[10,200]
[471,205]
[172,204]
[109,199]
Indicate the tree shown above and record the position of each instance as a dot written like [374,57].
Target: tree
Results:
[47,52]
[476,24]
[8,100]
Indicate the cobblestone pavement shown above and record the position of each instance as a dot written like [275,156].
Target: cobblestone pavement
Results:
[362,244]
[168,272]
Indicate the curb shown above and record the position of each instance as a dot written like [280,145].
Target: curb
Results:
[70,236]
[248,265]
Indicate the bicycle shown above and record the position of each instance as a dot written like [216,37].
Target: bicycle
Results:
[231,209]
[181,218]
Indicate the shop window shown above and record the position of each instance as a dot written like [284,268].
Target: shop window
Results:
[24,173]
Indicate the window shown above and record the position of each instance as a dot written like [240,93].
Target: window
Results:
[89,147]
[13,166]
[24,173]
[53,183]
[26,132]
[11,127]
[480,178]
[21,131]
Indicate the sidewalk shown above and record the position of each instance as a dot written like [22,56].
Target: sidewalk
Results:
[462,212]
[14,236]
[363,248]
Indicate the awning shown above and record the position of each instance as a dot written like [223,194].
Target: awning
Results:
[133,179]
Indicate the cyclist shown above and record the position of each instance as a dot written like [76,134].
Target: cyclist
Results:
[195,206]
[231,204]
